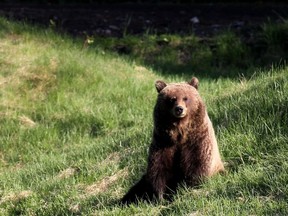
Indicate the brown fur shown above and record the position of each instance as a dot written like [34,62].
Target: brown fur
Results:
[184,147]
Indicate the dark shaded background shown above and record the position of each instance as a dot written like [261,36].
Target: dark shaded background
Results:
[138,1]
[137,18]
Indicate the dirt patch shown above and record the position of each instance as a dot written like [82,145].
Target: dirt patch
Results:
[120,19]
[67,173]
[104,184]
[26,122]
[15,197]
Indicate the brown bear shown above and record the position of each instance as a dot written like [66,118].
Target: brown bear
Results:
[184,147]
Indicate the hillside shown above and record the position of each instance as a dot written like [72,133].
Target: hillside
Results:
[75,125]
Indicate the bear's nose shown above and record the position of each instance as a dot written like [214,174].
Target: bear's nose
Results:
[178,110]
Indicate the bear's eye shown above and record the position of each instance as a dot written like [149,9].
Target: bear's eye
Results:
[172,100]
[185,99]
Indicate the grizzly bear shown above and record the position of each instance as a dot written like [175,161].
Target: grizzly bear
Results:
[184,147]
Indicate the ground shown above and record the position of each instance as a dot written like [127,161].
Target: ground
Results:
[118,19]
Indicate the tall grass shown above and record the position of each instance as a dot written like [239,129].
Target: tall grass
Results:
[75,125]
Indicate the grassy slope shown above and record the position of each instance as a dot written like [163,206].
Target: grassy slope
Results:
[75,126]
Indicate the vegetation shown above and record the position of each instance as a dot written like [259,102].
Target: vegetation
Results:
[227,54]
[76,121]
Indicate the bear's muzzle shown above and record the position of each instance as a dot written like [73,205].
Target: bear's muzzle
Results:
[179,111]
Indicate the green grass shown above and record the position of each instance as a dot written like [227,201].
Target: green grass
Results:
[75,125]
[227,54]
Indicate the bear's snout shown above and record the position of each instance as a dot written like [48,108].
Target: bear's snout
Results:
[179,112]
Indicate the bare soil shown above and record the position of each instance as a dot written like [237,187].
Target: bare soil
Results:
[116,20]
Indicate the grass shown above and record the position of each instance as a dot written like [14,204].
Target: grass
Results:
[227,54]
[75,125]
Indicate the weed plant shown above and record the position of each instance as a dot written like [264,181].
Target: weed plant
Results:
[76,122]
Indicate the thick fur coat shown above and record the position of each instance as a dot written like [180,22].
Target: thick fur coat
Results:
[184,147]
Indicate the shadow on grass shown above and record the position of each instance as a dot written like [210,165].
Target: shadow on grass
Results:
[228,54]
[170,69]
[213,61]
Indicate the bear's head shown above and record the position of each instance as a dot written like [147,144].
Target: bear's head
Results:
[177,100]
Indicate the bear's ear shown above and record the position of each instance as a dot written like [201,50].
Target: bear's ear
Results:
[194,82]
[159,84]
